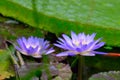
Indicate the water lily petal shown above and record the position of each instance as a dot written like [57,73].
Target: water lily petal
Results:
[66,53]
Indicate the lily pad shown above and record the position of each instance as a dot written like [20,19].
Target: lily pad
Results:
[59,16]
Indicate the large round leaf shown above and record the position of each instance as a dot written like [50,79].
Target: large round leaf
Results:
[62,16]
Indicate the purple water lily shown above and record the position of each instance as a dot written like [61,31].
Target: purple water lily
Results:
[33,46]
[81,44]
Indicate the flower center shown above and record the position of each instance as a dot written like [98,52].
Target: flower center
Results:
[77,43]
[84,42]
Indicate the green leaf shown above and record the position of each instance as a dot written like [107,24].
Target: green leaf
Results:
[5,71]
[59,16]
